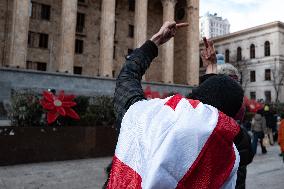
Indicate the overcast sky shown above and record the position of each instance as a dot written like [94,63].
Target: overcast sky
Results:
[243,14]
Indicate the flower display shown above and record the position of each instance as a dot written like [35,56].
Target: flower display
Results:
[58,105]
[253,105]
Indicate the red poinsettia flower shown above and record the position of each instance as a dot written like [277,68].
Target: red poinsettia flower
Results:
[58,105]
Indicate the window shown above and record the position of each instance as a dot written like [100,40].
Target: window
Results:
[130,31]
[41,66]
[180,13]
[77,70]
[36,40]
[115,27]
[79,46]
[40,11]
[252,76]
[267,48]
[267,75]
[114,49]
[43,40]
[131,5]
[35,10]
[227,55]
[252,51]
[252,95]
[31,65]
[200,62]
[267,95]
[31,39]
[239,54]
[45,12]
[129,51]
[80,22]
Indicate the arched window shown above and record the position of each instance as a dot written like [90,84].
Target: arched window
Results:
[239,54]
[267,48]
[227,56]
[252,51]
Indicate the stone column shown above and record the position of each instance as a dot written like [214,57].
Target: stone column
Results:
[107,37]
[140,28]
[168,48]
[192,54]
[67,36]
[19,34]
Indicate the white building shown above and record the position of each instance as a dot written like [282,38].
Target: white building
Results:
[212,25]
[258,54]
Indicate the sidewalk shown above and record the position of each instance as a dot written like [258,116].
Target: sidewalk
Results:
[78,174]
[266,172]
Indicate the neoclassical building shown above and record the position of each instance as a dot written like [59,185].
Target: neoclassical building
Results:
[258,54]
[92,37]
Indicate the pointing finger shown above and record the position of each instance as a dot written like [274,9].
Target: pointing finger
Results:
[180,25]
[205,42]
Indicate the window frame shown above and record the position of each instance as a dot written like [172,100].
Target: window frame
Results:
[267,74]
[43,40]
[252,95]
[80,22]
[267,48]
[266,95]
[252,76]
[45,12]
[227,55]
[239,54]
[252,51]
[79,46]
[78,70]
[130,30]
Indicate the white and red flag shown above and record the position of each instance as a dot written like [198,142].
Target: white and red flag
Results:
[175,143]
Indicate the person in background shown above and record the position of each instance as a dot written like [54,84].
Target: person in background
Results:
[215,66]
[281,136]
[271,123]
[258,126]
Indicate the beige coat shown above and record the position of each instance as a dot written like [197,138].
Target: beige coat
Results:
[258,124]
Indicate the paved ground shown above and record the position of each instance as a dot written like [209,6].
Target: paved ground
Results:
[266,172]
[78,174]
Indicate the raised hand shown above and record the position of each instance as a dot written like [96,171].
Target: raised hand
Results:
[208,55]
[166,32]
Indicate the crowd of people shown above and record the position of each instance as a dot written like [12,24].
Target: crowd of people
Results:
[266,128]
[179,142]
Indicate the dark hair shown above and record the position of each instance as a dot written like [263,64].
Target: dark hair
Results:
[222,92]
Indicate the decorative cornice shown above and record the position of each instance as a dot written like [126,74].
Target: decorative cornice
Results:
[276,24]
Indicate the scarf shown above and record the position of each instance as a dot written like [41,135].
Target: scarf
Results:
[175,143]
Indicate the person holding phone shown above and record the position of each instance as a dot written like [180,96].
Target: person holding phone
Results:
[210,60]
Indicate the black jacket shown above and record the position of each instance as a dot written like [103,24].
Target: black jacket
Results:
[129,90]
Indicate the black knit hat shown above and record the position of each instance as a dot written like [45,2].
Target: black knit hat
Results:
[222,92]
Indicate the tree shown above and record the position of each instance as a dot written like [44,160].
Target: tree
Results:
[277,79]
[244,72]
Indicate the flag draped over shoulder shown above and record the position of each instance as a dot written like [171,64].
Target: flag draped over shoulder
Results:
[175,143]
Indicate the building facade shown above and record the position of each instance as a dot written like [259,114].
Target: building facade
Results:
[212,25]
[258,54]
[92,37]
